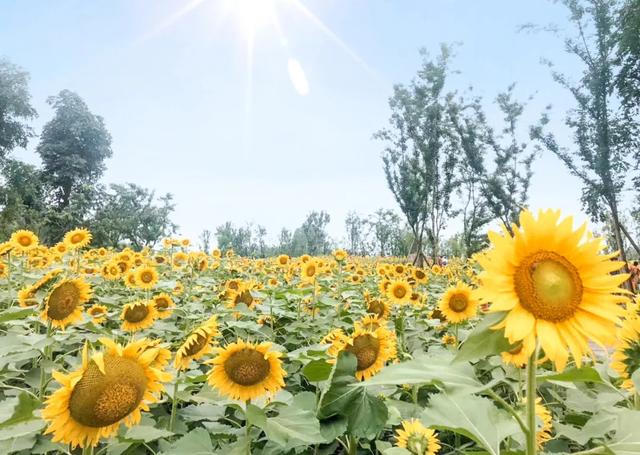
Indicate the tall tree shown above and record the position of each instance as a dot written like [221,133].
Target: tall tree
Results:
[419,157]
[356,227]
[73,147]
[15,108]
[205,240]
[389,235]
[605,137]
[628,56]
[312,237]
[22,198]
[131,215]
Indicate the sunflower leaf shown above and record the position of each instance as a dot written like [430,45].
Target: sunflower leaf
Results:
[11,314]
[317,370]
[483,341]
[197,441]
[584,374]
[365,413]
[146,433]
[472,416]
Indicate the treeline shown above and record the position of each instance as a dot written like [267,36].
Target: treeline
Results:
[382,233]
[64,192]
[444,158]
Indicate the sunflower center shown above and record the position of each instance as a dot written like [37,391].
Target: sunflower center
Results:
[417,444]
[420,274]
[99,400]
[162,303]
[247,367]
[146,277]
[136,313]
[517,350]
[311,270]
[245,297]
[197,345]
[376,307]
[77,238]
[458,303]
[63,301]
[24,240]
[548,286]
[399,292]
[366,349]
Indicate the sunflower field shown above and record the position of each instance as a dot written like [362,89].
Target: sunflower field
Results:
[531,346]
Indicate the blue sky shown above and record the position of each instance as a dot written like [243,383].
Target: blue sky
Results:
[174,94]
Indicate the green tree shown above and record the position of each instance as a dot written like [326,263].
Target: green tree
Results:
[605,137]
[205,240]
[131,215]
[15,108]
[628,56]
[419,157]
[389,234]
[22,198]
[357,234]
[73,147]
[312,237]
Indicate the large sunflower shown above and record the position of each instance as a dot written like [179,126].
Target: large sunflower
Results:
[554,284]
[416,438]
[626,359]
[458,304]
[372,348]
[138,315]
[64,303]
[244,371]
[76,239]
[111,387]
[24,240]
[197,344]
[399,291]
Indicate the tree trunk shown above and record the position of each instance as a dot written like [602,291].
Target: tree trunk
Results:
[619,241]
[628,236]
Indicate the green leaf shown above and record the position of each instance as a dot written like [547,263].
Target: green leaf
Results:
[255,415]
[396,451]
[22,411]
[146,433]
[483,341]
[317,370]
[435,369]
[627,437]
[297,424]
[206,411]
[365,413]
[472,416]
[14,313]
[585,374]
[196,442]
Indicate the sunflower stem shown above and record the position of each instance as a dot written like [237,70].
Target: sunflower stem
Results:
[174,402]
[87,450]
[247,430]
[506,406]
[45,356]
[353,445]
[531,402]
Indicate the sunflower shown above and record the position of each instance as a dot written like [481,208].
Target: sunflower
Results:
[130,279]
[244,371]
[76,239]
[436,269]
[138,315]
[340,255]
[111,271]
[379,308]
[111,387]
[98,313]
[420,276]
[146,277]
[24,240]
[197,344]
[283,259]
[178,289]
[449,340]
[626,359]
[337,339]
[416,438]
[519,355]
[398,291]
[458,304]
[27,297]
[544,431]
[164,304]
[64,303]
[309,271]
[216,253]
[554,284]
[369,322]
[372,348]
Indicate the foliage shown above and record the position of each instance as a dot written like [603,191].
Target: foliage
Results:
[15,108]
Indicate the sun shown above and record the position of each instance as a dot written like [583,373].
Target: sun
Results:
[251,15]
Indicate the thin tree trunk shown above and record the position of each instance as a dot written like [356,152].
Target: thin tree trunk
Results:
[619,241]
[628,236]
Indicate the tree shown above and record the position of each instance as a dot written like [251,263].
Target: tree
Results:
[419,157]
[605,137]
[73,147]
[15,108]
[284,242]
[131,215]
[628,56]
[22,198]
[205,240]
[357,234]
[311,237]
[388,233]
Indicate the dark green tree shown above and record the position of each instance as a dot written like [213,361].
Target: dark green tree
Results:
[312,237]
[133,216]
[419,158]
[357,229]
[15,108]
[605,137]
[628,56]
[390,237]
[73,147]
[22,198]
[205,240]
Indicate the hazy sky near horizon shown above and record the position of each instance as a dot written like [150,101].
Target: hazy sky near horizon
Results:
[291,132]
